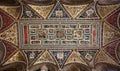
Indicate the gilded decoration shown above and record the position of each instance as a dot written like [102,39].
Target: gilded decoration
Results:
[56,34]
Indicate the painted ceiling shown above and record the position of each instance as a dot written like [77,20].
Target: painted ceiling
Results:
[60,32]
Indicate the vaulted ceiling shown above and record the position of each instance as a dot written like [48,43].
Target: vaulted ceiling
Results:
[59,35]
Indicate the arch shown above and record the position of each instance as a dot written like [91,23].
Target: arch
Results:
[46,66]
[108,2]
[16,66]
[2,51]
[40,2]
[106,67]
[118,51]
[9,3]
[76,2]
[76,67]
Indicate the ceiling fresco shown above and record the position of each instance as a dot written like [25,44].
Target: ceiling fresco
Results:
[55,35]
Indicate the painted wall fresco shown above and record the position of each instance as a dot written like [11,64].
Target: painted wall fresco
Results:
[40,33]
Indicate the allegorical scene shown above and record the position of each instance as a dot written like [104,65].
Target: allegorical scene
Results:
[59,35]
